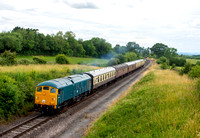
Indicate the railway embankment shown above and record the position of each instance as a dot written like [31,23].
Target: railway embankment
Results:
[162,104]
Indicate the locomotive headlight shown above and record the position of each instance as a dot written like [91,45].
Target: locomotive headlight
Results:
[53,99]
[36,97]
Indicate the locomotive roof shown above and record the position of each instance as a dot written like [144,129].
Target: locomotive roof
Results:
[56,83]
[78,77]
[62,82]
[101,71]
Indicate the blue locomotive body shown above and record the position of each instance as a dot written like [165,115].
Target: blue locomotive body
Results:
[59,92]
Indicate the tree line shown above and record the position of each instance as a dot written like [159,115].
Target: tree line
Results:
[31,42]
[26,41]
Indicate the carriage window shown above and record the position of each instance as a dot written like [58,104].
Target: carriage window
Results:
[39,89]
[45,88]
[53,90]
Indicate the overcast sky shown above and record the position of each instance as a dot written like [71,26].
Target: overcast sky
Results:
[175,23]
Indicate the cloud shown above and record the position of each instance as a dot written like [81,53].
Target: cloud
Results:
[4,6]
[82,5]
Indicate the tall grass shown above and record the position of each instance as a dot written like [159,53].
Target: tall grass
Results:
[43,68]
[162,104]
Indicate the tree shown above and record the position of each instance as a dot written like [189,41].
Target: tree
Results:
[130,56]
[170,52]
[89,48]
[120,49]
[159,49]
[102,47]
[133,47]
[10,41]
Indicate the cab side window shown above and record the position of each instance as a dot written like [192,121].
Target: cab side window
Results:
[39,89]
[53,90]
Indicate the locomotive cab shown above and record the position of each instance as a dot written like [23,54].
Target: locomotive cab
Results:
[46,96]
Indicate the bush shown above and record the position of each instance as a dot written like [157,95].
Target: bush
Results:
[61,59]
[178,61]
[195,72]
[8,58]
[164,66]
[121,58]
[173,66]
[39,60]
[9,96]
[24,62]
[113,61]
[187,67]
[198,63]
[162,60]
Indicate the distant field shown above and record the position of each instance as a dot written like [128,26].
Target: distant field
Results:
[72,60]
[44,68]
[162,104]
[193,61]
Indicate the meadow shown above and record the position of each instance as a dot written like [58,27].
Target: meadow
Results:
[72,60]
[193,61]
[161,104]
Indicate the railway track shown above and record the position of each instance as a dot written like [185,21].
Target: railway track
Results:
[36,121]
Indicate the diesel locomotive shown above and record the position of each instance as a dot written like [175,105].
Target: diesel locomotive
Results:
[55,94]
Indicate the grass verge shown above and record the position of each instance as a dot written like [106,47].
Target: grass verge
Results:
[162,104]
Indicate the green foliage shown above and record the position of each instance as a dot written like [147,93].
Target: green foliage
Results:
[8,58]
[178,61]
[164,66]
[9,96]
[186,69]
[113,61]
[130,56]
[195,72]
[159,49]
[162,60]
[102,47]
[77,71]
[121,58]
[10,41]
[198,63]
[170,52]
[39,60]
[61,59]
[173,66]
[24,62]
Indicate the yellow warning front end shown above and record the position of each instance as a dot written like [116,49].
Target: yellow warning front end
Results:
[46,96]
